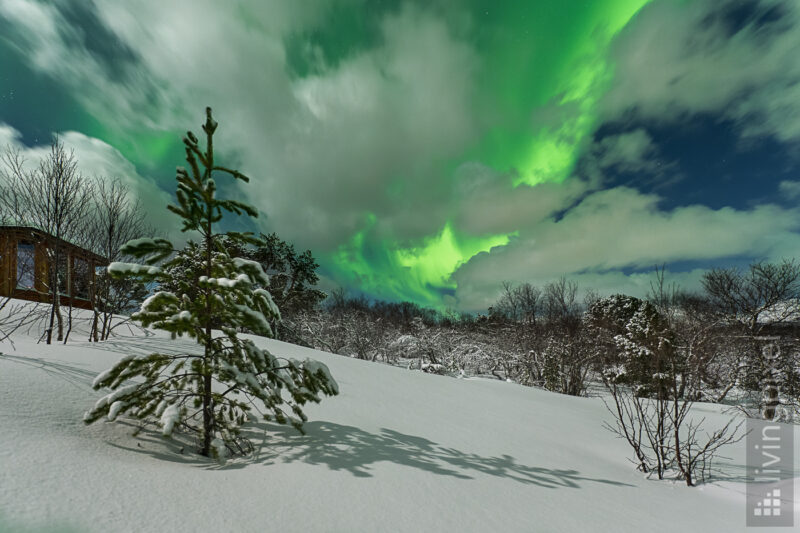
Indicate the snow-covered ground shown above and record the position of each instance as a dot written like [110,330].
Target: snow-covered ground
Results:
[397,450]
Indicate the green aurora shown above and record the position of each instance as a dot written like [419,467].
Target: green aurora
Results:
[544,67]
[541,56]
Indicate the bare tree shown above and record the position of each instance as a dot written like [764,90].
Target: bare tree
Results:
[520,304]
[53,197]
[765,290]
[755,304]
[560,301]
[116,219]
[537,336]
[566,356]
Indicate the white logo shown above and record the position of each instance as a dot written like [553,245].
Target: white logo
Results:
[770,505]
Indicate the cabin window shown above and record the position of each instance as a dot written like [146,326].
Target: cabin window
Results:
[80,278]
[26,263]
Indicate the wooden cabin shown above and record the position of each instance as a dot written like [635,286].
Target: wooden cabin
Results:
[25,267]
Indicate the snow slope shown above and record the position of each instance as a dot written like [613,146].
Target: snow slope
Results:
[398,450]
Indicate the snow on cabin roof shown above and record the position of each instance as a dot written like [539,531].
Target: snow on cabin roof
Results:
[50,237]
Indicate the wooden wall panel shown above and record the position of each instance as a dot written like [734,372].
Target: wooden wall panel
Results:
[11,235]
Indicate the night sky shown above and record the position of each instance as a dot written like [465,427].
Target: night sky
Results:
[429,150]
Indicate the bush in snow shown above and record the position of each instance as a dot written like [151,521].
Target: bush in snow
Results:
[635,337]
[210,393]
[645,375]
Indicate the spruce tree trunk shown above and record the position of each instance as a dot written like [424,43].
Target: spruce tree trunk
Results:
[208,414]
[208,418]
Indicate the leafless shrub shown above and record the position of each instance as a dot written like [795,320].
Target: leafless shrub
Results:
[661,435]
[117,218]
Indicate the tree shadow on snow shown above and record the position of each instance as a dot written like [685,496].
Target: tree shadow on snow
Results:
[140,346]
[354,450]
[180,448]
[68,372]
[728,471]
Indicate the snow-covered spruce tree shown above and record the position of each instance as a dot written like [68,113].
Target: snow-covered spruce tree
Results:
[638,343]
[211,393]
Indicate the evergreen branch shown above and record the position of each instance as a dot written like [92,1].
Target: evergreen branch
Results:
[235,173]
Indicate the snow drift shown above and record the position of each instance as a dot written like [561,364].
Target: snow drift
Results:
[398,450]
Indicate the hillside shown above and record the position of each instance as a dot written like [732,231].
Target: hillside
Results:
[397,450]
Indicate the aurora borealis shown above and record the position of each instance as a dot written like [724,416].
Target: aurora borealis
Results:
[428,151]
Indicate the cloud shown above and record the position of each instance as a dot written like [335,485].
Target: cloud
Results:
[8,136]
[631,151]
[102,161]
[372,132]
[736,59]
[487,203]
[790,189]
[106,78]
[621,228]
[98,160]
[632,155]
